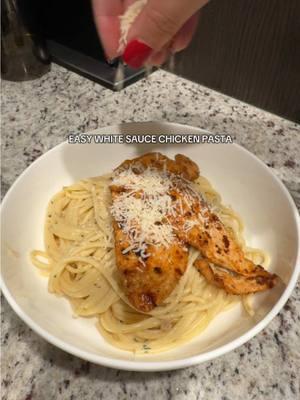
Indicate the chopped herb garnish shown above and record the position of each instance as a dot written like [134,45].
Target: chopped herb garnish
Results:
[146,347]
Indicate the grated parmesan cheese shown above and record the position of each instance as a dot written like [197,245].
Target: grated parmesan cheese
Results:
[127,19]
[142,209]
[151,182]
[189,224]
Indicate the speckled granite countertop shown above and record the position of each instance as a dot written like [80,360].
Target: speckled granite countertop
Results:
[38,115]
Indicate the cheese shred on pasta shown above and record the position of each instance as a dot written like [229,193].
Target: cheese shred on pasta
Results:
[79,261]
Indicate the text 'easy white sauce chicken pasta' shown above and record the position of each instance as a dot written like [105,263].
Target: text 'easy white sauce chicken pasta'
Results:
[149,250]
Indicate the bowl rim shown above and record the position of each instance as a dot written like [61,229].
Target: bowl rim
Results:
[148,366]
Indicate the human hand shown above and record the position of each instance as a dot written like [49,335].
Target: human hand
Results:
[163,27]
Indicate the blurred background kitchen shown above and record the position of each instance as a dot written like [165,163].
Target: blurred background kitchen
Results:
[247,49]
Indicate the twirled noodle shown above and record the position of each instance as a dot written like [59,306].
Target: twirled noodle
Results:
[80,262]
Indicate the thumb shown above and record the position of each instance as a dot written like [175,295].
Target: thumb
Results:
[158,23]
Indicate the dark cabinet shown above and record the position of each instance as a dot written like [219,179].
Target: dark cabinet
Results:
[249,49]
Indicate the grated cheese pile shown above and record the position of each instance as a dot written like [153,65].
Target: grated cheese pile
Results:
[151,182]
[142,209]
[127,19]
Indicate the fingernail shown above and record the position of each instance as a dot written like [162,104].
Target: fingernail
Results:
[136,53]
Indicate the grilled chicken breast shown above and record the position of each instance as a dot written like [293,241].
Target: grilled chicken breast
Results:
[148,279]
[150,270]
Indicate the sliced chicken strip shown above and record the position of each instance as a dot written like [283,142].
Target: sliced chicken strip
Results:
[231,282]
[208,234]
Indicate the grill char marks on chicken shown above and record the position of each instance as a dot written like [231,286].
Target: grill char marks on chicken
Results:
[149,281]
[200,228]
[208,234]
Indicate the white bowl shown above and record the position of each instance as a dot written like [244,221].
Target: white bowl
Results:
[269,213]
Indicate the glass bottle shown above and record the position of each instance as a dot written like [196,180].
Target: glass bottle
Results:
[24,55]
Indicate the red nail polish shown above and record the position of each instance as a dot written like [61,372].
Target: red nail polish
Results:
[136,53]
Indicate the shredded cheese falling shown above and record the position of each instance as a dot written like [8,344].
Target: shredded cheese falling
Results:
[127,19]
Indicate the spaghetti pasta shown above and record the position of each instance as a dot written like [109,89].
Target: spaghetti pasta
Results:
[80,263]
